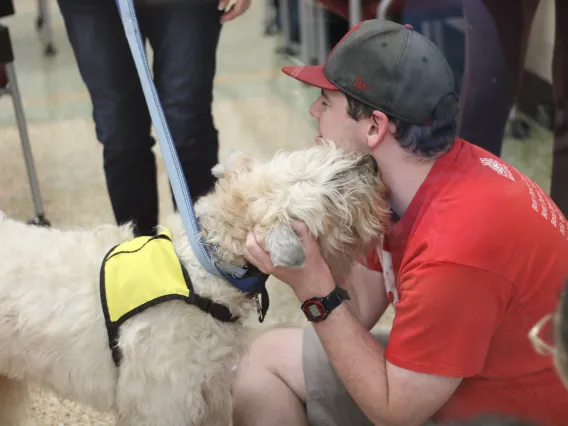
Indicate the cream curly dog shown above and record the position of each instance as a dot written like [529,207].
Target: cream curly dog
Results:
[176,359]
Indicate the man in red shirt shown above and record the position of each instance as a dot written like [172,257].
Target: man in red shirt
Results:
[476,255]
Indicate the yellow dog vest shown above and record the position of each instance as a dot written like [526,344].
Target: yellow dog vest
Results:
[141,273]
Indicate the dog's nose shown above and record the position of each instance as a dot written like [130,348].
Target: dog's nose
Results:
[370,162]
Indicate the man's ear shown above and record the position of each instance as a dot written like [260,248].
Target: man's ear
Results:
[378,129]
[284,247]
[236,161]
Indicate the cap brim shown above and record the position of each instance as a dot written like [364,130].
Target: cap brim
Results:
[310,74]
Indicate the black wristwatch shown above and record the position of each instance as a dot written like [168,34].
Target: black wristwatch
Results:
[317,309]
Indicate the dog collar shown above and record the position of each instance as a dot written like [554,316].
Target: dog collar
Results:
[248,279]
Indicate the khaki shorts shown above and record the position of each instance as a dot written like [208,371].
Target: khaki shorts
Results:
[327,401]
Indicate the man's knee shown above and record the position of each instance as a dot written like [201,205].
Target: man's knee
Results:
[273,359]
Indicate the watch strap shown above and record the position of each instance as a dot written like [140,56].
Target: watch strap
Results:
[335,298]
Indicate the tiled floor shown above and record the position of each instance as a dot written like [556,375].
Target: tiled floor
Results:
[257,109]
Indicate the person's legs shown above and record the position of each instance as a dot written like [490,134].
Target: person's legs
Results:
[184,37]
[269,384]
[513,24]
[485,98]
[559,184]
[483,114]
[327,401]
[286,378]
[119,109]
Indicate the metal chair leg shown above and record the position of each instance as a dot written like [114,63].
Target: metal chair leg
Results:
[44,23]
[285,25]
[307,32]
[26,147]
[270,24]
[322,36]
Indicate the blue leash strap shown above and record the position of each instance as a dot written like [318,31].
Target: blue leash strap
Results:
[245,280]
[173,166]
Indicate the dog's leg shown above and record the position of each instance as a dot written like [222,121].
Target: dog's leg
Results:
[150,402]
[165,406]
[219,409]
[14,402]
[142,400]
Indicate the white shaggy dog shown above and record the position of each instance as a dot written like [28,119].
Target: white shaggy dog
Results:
[176,359]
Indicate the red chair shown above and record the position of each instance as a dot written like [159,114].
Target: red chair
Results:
[368,7]
[393,9]
[369,10]
[401,10]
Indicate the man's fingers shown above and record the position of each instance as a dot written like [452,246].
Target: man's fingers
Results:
[237,9]
[255,254]
[299,227]
[302,232]
[223,4]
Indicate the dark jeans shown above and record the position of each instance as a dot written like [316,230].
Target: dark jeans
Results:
[184,38]
[513,21]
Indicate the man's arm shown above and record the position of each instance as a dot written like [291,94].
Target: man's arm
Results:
[394,396]
[442,332]
[369,299]
[387,394]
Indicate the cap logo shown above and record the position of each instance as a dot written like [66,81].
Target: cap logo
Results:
[360,84]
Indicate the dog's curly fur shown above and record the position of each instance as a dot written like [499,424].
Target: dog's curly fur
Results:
[176,366]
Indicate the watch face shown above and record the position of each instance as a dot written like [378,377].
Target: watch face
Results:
[314,310]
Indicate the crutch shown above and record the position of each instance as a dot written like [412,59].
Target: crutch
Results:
[9,85]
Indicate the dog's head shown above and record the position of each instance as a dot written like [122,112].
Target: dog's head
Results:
[338,194]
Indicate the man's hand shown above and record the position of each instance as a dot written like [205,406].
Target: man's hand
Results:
[313,279]
[238,8]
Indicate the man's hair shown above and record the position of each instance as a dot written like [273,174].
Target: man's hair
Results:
[429,140]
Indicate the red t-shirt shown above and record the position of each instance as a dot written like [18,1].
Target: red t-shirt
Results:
[478,258]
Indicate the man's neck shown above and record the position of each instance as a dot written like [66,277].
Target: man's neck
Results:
[403,177]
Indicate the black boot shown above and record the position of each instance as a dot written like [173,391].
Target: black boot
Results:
[132,187]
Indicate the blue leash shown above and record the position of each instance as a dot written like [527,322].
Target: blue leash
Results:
[245,279]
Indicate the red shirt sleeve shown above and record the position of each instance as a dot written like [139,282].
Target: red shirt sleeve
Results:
[445,319]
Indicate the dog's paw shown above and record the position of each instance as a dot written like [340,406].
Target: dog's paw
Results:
[218,170]
[284,247]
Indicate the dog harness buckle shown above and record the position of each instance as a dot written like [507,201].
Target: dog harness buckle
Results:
[262,303]
[258,308]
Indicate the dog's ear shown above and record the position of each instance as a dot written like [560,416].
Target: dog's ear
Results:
[237,161]
[284,247]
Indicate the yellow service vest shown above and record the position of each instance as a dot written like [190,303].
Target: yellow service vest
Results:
[141,273]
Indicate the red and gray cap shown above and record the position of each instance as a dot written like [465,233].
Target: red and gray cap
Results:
[387,66]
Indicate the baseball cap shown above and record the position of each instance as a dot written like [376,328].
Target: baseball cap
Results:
[387,66]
